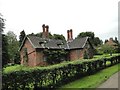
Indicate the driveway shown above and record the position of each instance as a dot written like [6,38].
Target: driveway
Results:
[112,82]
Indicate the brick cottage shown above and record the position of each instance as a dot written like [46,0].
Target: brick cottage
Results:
[31,50]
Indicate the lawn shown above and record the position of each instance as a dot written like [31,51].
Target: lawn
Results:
[95,80]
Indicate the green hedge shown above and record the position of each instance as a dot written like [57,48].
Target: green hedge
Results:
[56,75]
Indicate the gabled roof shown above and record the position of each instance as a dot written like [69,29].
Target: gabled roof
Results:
[78,43]
[38,42]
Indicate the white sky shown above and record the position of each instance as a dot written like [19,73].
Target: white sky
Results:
[98,16]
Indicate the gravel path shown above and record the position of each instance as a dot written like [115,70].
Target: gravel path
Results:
[112,82]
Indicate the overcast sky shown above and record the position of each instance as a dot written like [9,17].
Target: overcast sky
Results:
[98,16]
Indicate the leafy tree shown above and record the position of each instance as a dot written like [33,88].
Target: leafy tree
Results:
[118,45]
[107,49]
[5,56]
[57,36]
[40,35]
[4,43]
[13,45]
[97,41]
[94,40]
[2,23]
[55,56]
[84,34]
[106,41]
[21,37]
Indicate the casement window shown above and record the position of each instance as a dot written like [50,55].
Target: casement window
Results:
[44,58]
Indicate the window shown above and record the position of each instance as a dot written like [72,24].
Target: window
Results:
[44,58]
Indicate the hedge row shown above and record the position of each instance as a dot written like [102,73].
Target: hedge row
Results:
[55,76]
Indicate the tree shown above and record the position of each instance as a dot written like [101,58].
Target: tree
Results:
[108,49]
[84,34]
[59,37]
[13,45]
[94,40]
[106,41]
[3,44]
[40,35]
[97,41]
[118,45]
[5,56]
[21,37]
[2,23]
[55,56]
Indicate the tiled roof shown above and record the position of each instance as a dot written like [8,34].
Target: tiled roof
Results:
[78,43]
[38,42]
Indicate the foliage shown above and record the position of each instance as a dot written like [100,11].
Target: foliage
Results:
[107,49]
[2,23]
[13,45]
[54,36]
[85,55]
[21,37]
[59,37]
[94,40]
[55,56]
[55,75]
[17,58]
[40,35]
[93,81]
[5,56]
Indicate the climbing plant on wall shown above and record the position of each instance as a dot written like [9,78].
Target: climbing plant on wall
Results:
[55,56]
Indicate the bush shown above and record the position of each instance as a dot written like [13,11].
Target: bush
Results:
[56,75]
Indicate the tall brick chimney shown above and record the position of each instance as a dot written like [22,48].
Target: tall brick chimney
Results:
[45,33]
[111,39]
[69,35]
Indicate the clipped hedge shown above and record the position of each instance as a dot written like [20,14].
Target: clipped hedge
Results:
[56,75]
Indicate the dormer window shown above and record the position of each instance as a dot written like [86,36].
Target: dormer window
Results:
[60,44]
[43,43]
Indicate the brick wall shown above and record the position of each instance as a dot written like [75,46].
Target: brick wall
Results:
[76,54]
[31,54]
[40,60]
[79,53]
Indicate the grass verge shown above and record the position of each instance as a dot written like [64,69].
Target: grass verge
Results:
[93,81]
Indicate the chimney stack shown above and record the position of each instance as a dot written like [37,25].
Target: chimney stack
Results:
[45,33]
[111,39]
[69,35]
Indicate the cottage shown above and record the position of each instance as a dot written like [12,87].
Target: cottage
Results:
[31,50]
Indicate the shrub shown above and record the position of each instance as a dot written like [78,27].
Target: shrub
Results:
[56,75]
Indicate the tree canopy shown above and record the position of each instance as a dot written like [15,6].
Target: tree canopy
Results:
[13,45]
[94,40]
[21,37]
